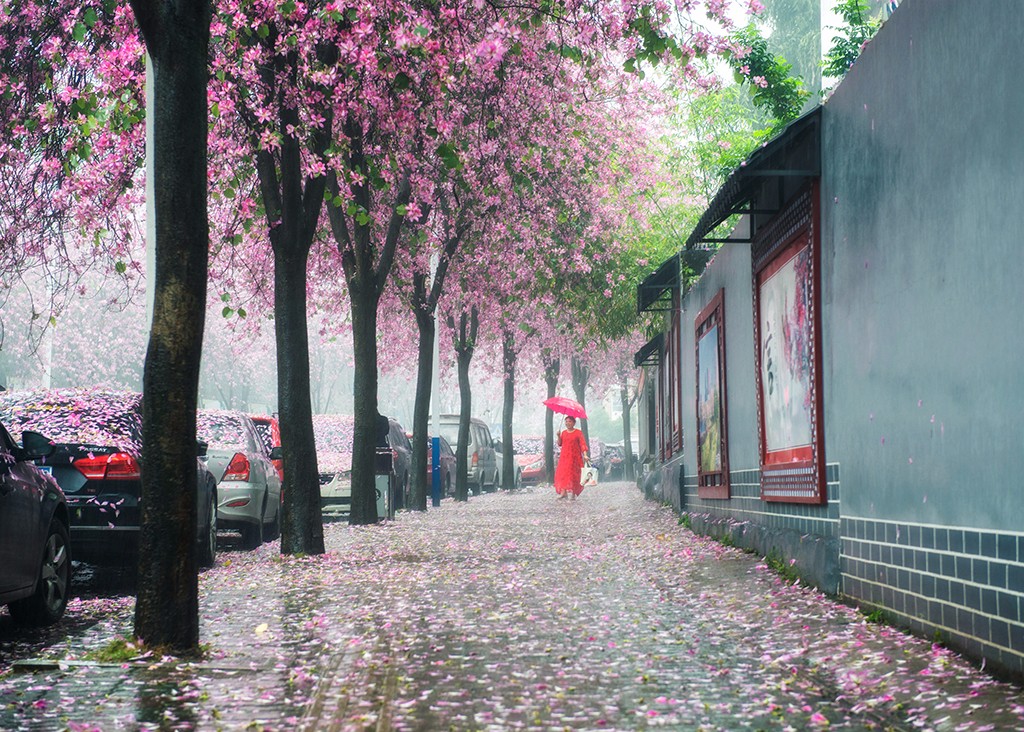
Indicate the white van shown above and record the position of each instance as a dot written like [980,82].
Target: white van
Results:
[481,461]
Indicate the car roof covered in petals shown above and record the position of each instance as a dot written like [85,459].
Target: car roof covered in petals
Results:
[528,444]
[333,433]
[94,416]
[223,428]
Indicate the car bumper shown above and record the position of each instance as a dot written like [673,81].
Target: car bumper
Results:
[335,495]
[239,505]
[105,544]
[533,477]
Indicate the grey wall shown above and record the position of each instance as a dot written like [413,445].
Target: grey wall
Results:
[923,339]
[923,275]
[805,533]
[923,183]
[730,269]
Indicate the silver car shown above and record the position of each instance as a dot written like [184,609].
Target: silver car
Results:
[248,486]
[333,435]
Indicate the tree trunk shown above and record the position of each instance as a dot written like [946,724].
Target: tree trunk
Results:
[167,605]
[627,438]
[551,370]
[465,343]
[424,306]
[302,527]
[364,392]
[293,204]
[508,465]
[420,480]
[580,376]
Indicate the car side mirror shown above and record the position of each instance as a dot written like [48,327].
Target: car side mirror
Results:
[276,453]
[201,448]
[35,446]
[497,445]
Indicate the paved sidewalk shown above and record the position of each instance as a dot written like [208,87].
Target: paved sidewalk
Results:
[510,612]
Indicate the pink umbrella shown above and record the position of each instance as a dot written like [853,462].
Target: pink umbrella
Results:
[566,406]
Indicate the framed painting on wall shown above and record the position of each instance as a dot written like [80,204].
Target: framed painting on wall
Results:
[787,335]
[712,435]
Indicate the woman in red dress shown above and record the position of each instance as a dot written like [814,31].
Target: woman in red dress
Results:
[570,461]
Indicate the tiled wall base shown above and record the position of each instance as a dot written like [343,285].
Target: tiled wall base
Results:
[965,585]
[962,585]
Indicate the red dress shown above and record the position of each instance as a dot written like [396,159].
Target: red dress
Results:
[570,463]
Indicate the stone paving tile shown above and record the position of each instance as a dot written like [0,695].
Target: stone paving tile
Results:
[511,612]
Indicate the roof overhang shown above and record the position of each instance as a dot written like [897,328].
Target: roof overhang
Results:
[655,292]
[761,186]
[650,353]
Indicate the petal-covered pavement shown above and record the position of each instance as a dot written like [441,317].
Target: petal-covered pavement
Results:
[510,612]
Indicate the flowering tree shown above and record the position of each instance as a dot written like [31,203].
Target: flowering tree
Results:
[71,95]
[278,72]
[70,103]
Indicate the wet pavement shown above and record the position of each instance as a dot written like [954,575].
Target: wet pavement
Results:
[514,611]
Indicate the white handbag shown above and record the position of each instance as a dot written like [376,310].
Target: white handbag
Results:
[588,475]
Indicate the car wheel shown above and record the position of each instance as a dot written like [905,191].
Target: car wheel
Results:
[46,606]
[208,547]
[275,526]
[252,534]
[478,487]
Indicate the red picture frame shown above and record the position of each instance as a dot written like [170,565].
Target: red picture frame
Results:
[711,412]
[787,333]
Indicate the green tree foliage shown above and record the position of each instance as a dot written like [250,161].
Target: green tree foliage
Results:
[769,76]
[858,28]
[726,129]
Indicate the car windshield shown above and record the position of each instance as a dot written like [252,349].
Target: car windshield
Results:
[220,429]
[450,432]
[333,432]
[528,445]
[76,417]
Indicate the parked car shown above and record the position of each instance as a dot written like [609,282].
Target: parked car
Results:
[333,435]
[401,456]
[269,430]
[615,462]
[447,463]
[35,558]
[499,455]
[97,463]
[248,487]
[529,452]
[597,455]
[481,460]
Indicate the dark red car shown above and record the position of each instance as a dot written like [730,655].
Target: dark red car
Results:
[529,452]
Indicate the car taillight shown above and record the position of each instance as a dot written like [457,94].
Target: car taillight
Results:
[476,458]
[238,468]
[116,466]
